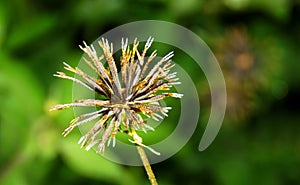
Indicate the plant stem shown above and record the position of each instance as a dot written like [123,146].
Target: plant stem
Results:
[146,165]
[138,141]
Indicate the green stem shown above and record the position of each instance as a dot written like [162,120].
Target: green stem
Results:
[138,141]
[146,165]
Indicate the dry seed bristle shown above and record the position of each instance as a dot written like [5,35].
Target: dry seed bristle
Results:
[126,97]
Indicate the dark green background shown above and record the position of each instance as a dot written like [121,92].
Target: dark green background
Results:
[256,43]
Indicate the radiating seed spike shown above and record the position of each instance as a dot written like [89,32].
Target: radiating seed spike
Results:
[174,83]
[67,130]
[168,56]
[73,121]
[82,48]
[93,51]
[135,41]
[81,139]
[159,116]
[149,127]
[149,42]
[176,95]
[85,44]
[114,141]
[93,143]
[111,48]
[151,149]
[144,130]
[155,118]
[164,113]
[108,142]
[137,92]
[126,43]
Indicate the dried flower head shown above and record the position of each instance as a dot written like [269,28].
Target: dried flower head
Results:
[136,90]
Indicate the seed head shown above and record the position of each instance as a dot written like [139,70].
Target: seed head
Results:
[136,91]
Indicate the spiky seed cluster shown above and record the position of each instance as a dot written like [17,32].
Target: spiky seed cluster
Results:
[127,96]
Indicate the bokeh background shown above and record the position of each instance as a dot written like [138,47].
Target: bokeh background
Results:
[256,43]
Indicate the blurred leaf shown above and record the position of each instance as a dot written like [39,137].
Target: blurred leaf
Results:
[234,171]
[21,101]
[279,9]
[30,31]
[89,163]
[88,11]
[15,177]
[3,23]
[184,7]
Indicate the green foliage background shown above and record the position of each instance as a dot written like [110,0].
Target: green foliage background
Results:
[256,43]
